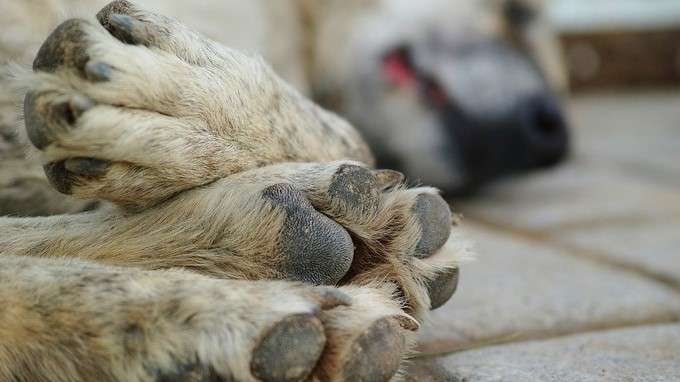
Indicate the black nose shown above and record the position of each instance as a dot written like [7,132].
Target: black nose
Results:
[531,135]
[543,125]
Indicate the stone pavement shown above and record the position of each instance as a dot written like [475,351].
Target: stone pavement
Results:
[578,269]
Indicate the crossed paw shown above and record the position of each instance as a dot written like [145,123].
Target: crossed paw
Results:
[136,108]
[240,177]
[322,223]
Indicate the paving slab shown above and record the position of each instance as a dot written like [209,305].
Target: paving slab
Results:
[636,131]
[639,354]
[519,289]
[618,202]
[625,165]
[572,195]
[652,247]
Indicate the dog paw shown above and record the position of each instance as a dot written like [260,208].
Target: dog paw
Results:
[135,107]
[344,223]
[398,232]
[125,324]
[264,331]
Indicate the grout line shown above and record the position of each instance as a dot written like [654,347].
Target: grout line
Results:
[629,221]
[598,257]
[549,335]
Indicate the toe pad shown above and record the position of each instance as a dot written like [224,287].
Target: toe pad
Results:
[434,216]
[316,249]
[290,350]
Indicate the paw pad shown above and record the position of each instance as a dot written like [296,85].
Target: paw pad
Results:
[435,222]
[290,350]
[442,287]
[316,249]
[376,354]
[356,187]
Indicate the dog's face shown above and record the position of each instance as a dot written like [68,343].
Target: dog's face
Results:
[455,93]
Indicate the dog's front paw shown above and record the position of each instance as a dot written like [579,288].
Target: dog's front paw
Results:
[112,121]
[136,107]
[337,222]
[399,233]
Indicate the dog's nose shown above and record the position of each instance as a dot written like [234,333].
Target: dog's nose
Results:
[530,135]
[544,127]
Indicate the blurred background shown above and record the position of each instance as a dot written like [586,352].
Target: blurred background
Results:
[578,269]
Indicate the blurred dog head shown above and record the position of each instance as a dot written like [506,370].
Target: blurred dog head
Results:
[455,93]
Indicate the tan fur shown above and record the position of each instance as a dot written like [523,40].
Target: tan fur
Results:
[325,49]
[194,134]
[210,131]
[75,321]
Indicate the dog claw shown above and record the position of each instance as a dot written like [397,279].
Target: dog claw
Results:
[87,166]
[388,178]
[98,71]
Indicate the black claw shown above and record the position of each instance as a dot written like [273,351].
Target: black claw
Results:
[87,166]
[317,249]
[59,177]
[124,28]
[63,174]
[64,46]
[290,350]
[434,215]
[442,287]
[98,71]
[36,127]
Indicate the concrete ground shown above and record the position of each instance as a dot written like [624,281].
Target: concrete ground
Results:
[578,269]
